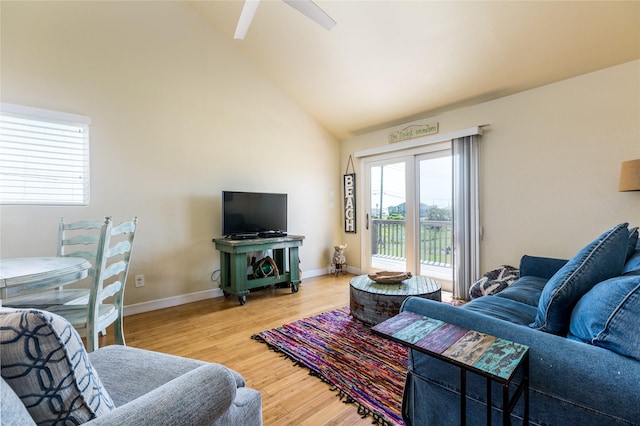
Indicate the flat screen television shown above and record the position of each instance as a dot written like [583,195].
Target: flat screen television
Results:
[246,214]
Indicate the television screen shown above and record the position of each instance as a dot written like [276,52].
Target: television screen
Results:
[253,213]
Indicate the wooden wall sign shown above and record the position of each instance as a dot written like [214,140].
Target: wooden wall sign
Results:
[349,182]
[350,202]
[414,131]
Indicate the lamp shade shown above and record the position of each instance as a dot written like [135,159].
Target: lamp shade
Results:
[630,176]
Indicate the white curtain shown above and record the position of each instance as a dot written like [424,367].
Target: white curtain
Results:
[466,228]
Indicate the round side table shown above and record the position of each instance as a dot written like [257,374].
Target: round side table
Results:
[373,303]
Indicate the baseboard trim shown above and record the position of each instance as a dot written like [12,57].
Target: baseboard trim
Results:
[152,305]
[169,302]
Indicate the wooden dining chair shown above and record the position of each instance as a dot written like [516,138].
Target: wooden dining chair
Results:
[84,238]
[105,304]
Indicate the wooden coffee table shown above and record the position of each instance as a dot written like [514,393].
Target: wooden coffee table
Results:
[373,303]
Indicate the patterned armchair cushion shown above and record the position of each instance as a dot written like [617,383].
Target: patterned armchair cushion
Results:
[494,281]
[44,362]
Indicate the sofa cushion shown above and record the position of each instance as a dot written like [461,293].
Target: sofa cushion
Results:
[525,290]
[12,409]
[543,267]
[504,309]
[44,362]
[601,259]
[608,316]
[633,242]
[494,281]
[632,267]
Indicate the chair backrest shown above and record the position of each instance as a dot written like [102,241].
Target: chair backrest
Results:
[112,267]
[84,238]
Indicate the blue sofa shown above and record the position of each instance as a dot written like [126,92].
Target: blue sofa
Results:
[581,320]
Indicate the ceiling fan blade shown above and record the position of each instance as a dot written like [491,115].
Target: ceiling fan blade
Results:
[312,11]
[246,16]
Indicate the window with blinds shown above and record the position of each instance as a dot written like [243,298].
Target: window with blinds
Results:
[44,156]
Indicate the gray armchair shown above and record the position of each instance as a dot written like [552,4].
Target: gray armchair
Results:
[114,385]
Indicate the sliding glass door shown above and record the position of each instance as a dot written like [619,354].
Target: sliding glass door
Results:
[408,217]
[435,205]
[386,221]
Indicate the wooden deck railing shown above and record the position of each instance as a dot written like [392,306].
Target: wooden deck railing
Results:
[388,239]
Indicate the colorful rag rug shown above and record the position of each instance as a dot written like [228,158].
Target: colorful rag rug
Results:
[364,369]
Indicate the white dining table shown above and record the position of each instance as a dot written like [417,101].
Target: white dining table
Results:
[25,275]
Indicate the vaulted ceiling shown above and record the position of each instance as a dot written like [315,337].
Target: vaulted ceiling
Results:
[389,62]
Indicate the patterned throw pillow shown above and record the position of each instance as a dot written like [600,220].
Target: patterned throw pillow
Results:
[44,362]
[494,281]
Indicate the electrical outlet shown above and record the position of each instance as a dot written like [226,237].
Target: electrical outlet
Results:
[140,280]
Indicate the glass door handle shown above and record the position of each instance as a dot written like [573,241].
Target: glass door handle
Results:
[366,222]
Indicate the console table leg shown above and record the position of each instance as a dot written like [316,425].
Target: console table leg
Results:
[526,390]
[463,396]
[488,401]
[506,414]
[294,265]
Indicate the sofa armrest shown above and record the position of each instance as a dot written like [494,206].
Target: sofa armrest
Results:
[197,397]
[571,373]
[543,267]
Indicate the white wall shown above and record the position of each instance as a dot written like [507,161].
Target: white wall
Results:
[178,116]
[549,164]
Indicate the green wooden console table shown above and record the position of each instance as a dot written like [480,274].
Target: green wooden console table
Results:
[233,263]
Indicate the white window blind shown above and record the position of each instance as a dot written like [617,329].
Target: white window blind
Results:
[44,156]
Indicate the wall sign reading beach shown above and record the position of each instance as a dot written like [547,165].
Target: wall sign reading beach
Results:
[414,131]
[350,199]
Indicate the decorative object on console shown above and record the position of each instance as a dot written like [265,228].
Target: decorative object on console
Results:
[265,267]
[629,176]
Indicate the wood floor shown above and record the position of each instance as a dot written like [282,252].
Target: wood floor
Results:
[219,330]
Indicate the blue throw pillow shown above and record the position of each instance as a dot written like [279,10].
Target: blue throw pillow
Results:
[608,316]
[633,242]
[601,259]
[632,267]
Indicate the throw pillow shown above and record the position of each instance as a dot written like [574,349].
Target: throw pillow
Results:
[494,281]
[601,259]
[632,267]
[44,362]
[633,241]
[608,316]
